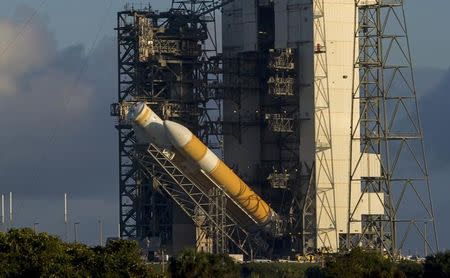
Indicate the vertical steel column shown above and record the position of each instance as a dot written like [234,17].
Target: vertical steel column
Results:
[143,212]
[207,98]
[388,126]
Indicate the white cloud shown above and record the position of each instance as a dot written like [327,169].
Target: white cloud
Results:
[23,50]
[57,135]
[48,110]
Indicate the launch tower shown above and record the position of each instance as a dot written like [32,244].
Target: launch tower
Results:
[311,102]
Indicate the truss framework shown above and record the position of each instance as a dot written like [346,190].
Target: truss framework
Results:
[388,126]
[171,72]
[281,131]
[319,209]
[136,197]
[208,214]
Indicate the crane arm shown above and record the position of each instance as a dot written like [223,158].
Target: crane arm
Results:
[212,7]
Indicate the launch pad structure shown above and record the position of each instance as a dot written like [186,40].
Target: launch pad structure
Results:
[311,102]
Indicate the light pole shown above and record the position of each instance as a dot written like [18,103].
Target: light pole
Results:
[10,210]
[66,221]
[75,230]
[100,232]
[34,226]
[163,259]
[426,240]
[3,212]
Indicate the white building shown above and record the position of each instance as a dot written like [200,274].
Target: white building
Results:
[276,136]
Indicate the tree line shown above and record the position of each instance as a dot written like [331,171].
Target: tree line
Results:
[24,253]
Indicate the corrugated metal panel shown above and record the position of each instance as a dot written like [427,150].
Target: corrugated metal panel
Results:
[370,165]
[250,29]
[293,22]
[240,26]
[372,204]
[294,11]
[231,20]
[281,21]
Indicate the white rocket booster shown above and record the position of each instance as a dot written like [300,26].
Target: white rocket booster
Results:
[149,128]
[147,122]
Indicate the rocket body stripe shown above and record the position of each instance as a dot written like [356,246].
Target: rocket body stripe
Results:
[169,134]
[209,162]
[144,116]
[218,171]
[196,149]
[148,126]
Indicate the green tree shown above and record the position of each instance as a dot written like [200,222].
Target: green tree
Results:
[359,263]
[190,264]
[410,269]
[274,269]
[437,265]
[121,258]
[82,260]
[24,253]
[314,272]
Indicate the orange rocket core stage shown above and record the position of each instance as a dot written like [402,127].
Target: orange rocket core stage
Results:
[190,146]
[160,132]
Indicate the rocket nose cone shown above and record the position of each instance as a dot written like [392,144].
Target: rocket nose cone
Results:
[178,135]
[135,110]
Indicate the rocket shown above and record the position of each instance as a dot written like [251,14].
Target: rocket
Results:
[168,134]
[148,125]
[191,147]
[149,128]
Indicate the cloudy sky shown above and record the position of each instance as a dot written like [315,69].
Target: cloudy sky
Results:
[57,80]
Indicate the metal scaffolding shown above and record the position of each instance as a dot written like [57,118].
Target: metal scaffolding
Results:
[324,165]
[208,212]
[143,213]
[266,101]
[261,102]
[240,80]
[164,60]
[319,203]
[282,111]
[388,127]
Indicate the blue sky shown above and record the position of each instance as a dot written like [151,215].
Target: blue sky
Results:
[76,22]
[84,141]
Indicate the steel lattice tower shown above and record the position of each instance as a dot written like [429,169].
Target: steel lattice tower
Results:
[143,212]
[280,101]
[315,233]
[386,123]
[173,74]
